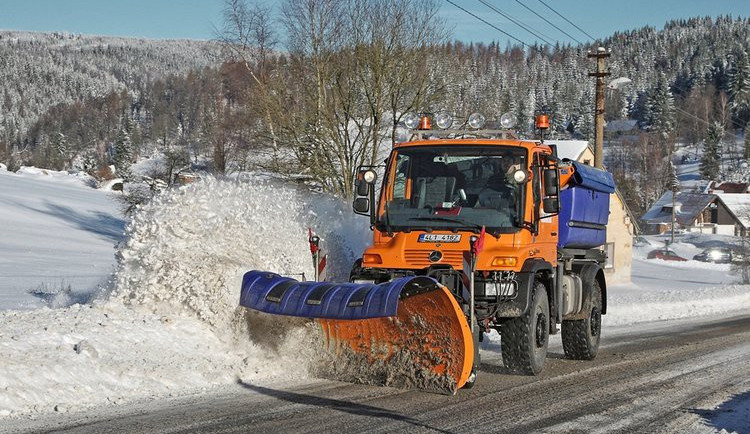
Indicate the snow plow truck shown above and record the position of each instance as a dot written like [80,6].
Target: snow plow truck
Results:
[473,230]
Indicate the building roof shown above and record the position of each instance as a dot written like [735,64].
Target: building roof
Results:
[727,187]
[739,205]
[687,207]
[621,125]
[570,149]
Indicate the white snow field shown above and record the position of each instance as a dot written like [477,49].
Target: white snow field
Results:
[170,322]
[56,233]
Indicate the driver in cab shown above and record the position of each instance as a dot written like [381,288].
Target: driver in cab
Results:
[499,190]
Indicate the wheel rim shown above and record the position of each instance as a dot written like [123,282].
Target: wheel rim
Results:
[541,329]
[596,321]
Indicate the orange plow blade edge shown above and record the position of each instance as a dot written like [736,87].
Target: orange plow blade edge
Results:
[407,332]
[429,332]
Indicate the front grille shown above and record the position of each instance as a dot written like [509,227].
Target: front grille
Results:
[420,258]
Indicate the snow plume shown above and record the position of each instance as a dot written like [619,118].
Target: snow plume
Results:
[188,248]
[172,324]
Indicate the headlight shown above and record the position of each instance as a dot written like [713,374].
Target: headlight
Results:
[476,120]
[504,261]
[411,120]
[370,176]
[520,176]
[444,120]
[507,120]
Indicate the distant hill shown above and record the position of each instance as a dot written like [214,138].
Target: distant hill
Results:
[40,70]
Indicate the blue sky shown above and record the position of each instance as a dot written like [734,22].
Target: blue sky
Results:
[196,18]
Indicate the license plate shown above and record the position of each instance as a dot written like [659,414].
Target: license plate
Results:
[439,238]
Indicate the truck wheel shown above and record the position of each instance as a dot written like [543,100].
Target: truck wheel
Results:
[356,269]
[581,337]
[472,380]
[524,340]
[477,361]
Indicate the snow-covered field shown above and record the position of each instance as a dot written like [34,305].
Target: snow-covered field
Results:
[169,324]
[56,233]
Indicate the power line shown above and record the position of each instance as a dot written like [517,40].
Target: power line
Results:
[569,22]
[490,24]
[549,22]
[516,22]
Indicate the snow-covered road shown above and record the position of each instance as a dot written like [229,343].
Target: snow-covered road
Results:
[691,377]
[170,325]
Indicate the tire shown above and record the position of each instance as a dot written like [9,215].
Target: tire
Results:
[524,340]
[471,381]
[581,337]
[477,361]
[356,269]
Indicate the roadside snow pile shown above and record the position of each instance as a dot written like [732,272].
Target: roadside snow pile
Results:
[674,303]
[172,325]
[188,248]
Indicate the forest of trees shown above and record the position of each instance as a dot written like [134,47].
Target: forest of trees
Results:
[322,108]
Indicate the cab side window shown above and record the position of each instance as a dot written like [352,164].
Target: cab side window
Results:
[402,174]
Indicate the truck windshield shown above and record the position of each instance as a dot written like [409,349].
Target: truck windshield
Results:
[454,187]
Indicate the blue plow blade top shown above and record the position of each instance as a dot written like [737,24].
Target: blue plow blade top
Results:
[275,294]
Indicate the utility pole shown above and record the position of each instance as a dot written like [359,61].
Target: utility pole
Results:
[600,54]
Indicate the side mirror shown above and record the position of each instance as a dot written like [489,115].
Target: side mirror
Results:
[364,193]
[550,182]
[362,188]
[551,205]
[462,194]
[361,205]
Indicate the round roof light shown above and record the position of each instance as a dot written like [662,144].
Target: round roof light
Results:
[411,120]
[507,120]
[476,120]
[444,120]
[370,176]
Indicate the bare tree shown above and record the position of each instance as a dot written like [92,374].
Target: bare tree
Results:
[248,37]
[352,69]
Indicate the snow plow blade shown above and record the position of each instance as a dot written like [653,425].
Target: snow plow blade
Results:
[410,320]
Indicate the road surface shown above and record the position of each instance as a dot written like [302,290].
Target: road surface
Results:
[665,377]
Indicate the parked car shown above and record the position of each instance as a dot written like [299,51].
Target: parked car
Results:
[717,255]
[665,254]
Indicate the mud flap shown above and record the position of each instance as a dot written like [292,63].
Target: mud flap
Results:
[412,320]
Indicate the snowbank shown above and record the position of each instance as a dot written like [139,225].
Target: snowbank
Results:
[675,303]
[172,325]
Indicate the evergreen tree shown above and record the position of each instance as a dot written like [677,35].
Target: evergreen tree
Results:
[739,86]
[710,165]
[747,143]
[59,145]
[672,179]
[123,154]
[660,108]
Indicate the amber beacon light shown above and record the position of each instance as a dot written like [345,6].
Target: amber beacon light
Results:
[542,122]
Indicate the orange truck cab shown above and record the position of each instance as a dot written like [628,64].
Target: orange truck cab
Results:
[534,223]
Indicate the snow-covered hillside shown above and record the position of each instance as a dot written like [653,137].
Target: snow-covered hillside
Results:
[57,233]
[41,70]
[171,325]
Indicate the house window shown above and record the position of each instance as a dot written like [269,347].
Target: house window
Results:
[610,265]
[587,162]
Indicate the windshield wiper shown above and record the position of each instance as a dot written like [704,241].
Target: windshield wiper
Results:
[475,227]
